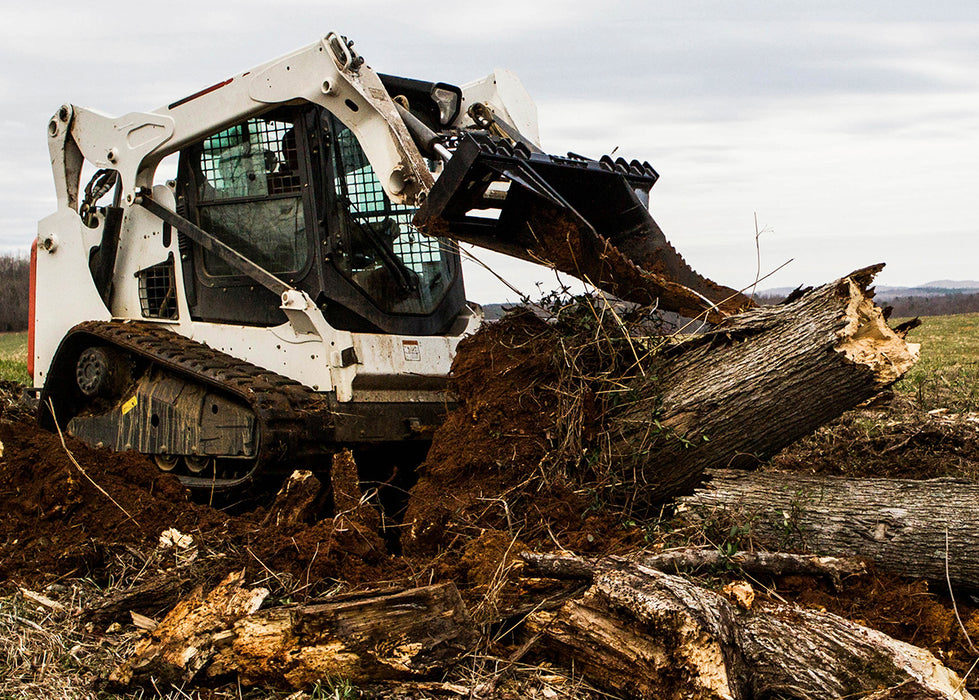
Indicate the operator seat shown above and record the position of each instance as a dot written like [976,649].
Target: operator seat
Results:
[285,179]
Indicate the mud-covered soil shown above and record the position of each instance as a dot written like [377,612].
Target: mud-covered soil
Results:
[73,511]
[500,479]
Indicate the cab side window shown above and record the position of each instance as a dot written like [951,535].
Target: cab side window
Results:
[399,268]
[249,195]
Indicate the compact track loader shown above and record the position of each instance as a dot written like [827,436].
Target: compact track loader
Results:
[297,288]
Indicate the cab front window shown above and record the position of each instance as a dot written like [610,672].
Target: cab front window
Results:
[402,270]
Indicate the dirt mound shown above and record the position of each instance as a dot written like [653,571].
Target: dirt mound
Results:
[514,457]
[893,438]
[69,509]
[56,519]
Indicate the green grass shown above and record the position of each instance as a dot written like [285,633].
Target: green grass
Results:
[947,375]
[13,357]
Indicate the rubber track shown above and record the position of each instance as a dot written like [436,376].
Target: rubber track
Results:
[292,420]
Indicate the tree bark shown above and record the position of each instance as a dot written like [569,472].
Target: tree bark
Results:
[296,503]
[903,526]
[653,635]
[693,560]
[376,635]
[754,384]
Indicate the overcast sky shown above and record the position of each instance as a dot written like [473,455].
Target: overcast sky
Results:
[852,129]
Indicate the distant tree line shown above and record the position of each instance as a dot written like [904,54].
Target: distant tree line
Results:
[905,307]
[14,288]
[944,305]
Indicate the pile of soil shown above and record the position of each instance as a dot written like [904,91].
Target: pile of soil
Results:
[69,509]
[513,458]
[56,520]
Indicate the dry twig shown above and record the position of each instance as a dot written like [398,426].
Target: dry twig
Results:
[82,469]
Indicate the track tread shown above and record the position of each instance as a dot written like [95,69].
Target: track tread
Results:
[291,418]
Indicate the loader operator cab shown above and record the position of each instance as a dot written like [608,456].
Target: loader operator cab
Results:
[293,191]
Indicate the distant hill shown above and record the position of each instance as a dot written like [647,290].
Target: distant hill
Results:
[493,312]
[952,284]
[938,298]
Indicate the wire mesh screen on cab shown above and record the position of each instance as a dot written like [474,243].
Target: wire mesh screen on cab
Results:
[403,270]
[249,194]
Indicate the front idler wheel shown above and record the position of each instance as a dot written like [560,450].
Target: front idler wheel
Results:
[165,462]
[100,371]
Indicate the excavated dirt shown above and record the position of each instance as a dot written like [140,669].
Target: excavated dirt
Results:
[499,479]
[503,461]
[68,510]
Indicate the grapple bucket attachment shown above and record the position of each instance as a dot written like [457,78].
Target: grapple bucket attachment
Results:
[583,217]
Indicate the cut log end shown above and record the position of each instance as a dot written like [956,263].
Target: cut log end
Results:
[738,394]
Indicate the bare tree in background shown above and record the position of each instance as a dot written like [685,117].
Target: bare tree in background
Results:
[14,291]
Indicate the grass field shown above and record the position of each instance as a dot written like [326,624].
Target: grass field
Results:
[947,376]
[13,357]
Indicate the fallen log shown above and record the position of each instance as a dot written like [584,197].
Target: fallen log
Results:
[754,384]
[919,529]
[397,634]
[694,560]
[375,635]
[649,634]
[189,637]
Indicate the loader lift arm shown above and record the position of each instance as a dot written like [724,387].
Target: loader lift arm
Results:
[328,73]
[586,218]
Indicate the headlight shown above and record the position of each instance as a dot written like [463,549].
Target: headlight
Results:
[449,101]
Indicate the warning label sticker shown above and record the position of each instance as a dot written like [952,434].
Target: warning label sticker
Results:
[412,350]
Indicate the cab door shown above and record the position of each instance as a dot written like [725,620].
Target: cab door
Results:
[248,186]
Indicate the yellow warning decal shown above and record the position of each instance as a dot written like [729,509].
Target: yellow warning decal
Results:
[129,405]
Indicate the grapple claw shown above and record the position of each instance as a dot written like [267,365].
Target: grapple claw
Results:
[583,217]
